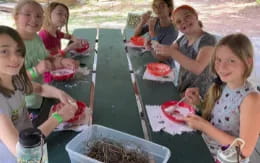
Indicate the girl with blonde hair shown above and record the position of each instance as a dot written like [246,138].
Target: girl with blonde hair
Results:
[56,17]
[28,16]
[231,107]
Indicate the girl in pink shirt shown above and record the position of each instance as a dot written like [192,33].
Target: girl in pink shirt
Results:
[56,16]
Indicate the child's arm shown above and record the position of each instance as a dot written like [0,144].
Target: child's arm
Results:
[70,37]
[196,66]
[52,92]
[250,122]
[151,26]
[249,125]
[66,112]
[10,135]
[43,66]
[144,19]
[163,57]
[206,127]
[61,62]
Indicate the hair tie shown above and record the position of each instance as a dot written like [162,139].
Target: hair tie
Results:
[218,81]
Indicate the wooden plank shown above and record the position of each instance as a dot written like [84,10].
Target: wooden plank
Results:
[115,104]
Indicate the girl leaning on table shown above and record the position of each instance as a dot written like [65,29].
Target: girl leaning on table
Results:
[28,16]
[160,28]
[192,50]
[232,104]
[56,17]
[14,84]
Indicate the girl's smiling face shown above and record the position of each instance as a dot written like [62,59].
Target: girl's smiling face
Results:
[59,16]
[229,67]
[11,59]
[29,19]
[185,21]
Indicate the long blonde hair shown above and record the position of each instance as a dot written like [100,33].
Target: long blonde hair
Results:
[242,47]
[47,19]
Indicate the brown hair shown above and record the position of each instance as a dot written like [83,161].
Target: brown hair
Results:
[190,9]
[241,46]
[20,81]
[47,20]
[169,3]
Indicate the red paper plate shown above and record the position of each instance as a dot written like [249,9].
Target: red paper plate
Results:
[84,48]
[62,74]
[139,41]
[159,69]
[79,112]
[177,114]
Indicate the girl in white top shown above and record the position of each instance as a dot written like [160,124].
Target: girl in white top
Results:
[232,104]
[14,84]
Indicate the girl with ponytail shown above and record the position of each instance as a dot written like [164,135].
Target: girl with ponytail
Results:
[232,105]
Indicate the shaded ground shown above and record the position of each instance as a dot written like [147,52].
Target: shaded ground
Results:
[218,16]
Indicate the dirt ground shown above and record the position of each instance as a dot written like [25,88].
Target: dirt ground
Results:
[227,16]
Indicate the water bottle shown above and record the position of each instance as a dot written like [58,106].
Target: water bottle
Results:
[232,153]
[31,147]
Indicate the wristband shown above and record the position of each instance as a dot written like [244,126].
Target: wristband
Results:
[56,116]
[33,72]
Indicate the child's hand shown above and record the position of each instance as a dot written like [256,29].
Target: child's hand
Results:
[164,50]
[67,111]
[147,44]
[44,66]
[74,45]
[145,17]
[196,122]
[64,97]
[83,42]
[70,63]
[192,96]
[151,25]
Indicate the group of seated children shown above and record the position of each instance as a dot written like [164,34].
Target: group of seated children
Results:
[25,56]
[218,72]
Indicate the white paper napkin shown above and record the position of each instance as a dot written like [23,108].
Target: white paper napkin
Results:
[159,122]
[169,78]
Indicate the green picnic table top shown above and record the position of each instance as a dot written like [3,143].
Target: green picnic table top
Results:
[79,88]
[185,148]
[115,103]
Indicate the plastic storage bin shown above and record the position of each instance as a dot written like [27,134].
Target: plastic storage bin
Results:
[78,144]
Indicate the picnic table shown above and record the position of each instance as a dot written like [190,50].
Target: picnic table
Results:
[117,94]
